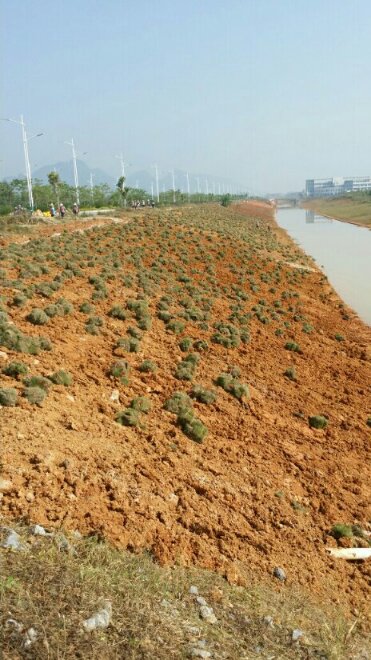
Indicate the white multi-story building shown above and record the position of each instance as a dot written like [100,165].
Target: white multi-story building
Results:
[336,186]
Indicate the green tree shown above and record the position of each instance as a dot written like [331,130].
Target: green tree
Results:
[54,181]
[6,198]
[120,185]
[226,200]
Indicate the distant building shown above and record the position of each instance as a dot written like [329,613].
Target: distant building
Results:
[336,186]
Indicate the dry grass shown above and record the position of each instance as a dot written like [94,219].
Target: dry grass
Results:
[54,590]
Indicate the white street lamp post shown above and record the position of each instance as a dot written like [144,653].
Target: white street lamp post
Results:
[26,140]
[121,159]
[91,186]
[157,189]
[188,188]
[75,173]
[173,177]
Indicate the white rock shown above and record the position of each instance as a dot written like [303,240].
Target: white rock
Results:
[31,636]
[3,355]
[200,653]
[100,619]
[5,485]
[38,530]
[14,624]
[201,601]
[70,397]
[207,613]
[13,541]
[192,589]
[268,620]
[115,396]
[296,634]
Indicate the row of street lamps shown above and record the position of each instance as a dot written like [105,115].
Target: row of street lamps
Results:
[26,140]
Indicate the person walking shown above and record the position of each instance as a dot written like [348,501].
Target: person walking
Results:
[75,209]
[62,210]
[52,210]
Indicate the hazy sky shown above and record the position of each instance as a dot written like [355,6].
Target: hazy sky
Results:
[266,92]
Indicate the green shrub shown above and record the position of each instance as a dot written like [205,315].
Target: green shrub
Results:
[148,366]
[118,312]
[178,402]
[37,381]
[339,337]
[292,346]
[44,343]
[186,368]
[227,335]
[15,369]
[185,344]
[144,322]
[307,328]
[233,386]
[340,530]
[128,417]
[37,317]
[19,300]
[128,344]
[192,427]
[239,390]
[93,324]
[35,394]
[8,396]
[61,378]
[86,308]
[290,373]
[164,315]
[175,326]
[141,403]
[203,395]
[120,369]
[51,310]
[200,345]
[134,332]
[225,381]
[317,422]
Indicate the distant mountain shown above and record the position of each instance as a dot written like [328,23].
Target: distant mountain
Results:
[65,171]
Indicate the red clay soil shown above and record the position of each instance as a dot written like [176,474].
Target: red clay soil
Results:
[263,490]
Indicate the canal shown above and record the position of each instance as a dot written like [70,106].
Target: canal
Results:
[342,250]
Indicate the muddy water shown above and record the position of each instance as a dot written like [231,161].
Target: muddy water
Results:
[342,250]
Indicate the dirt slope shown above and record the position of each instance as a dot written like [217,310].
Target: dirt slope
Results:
[263,489]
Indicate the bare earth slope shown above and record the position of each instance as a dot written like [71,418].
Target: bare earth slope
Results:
[263,489]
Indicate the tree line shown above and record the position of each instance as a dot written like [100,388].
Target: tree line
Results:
[14,193]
